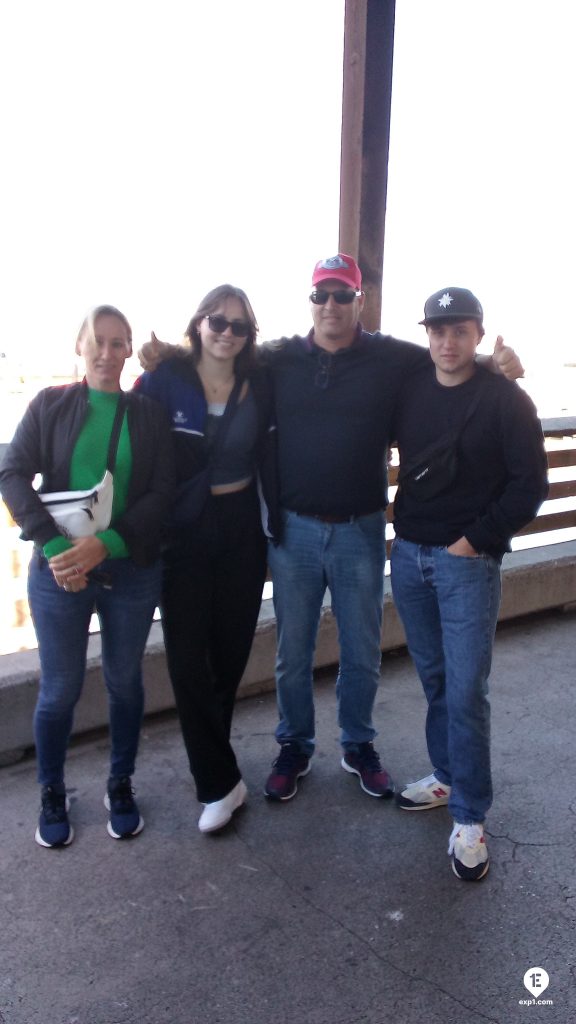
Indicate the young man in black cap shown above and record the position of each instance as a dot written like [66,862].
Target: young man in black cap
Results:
[480,479]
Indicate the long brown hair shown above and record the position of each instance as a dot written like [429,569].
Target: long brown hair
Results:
[245,359]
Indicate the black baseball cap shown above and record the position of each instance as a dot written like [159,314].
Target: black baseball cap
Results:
[452,304]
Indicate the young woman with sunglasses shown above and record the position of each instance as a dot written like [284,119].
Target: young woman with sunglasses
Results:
[215,564]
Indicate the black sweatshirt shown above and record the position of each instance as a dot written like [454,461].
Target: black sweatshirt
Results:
[502,469]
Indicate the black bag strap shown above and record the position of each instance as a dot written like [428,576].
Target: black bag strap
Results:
[224,421]
[470,411]
[115,435]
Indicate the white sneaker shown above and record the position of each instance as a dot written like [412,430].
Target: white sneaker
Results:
[218,813]
[424,794]
[467,847]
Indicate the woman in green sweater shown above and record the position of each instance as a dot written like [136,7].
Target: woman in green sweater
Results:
[115,572]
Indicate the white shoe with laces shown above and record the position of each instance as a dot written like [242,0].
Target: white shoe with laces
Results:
[424,794]
[218,813]
[467,847]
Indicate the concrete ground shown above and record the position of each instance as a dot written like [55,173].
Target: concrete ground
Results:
[334,908]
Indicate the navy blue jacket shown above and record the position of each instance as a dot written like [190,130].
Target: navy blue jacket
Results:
[176,385]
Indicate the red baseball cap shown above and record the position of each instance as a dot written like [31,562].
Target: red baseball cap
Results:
[340,267]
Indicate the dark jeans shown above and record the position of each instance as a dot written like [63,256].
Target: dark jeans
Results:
[213,578]
[61,621]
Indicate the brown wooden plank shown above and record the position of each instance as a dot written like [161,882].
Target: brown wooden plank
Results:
[551,521]
[561,457]
[562,489]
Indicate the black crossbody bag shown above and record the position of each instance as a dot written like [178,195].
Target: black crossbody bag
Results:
[434,469]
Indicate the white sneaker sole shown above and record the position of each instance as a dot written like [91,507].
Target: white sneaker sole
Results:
[117,835]
[55,846]
[476,878]
[378,796]
[429,806]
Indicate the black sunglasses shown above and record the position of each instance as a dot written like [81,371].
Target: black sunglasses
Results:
[344,296]
[219,324]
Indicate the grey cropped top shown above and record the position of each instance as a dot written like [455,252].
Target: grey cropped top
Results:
[235,459]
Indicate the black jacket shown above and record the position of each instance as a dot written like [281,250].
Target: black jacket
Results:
[44,442]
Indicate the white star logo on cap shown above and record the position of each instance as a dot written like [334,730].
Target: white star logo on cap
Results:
[445,301]
[334,263]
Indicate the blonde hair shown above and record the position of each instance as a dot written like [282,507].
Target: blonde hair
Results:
[87,327]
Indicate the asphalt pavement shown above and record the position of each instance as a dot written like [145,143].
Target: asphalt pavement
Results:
[333,908]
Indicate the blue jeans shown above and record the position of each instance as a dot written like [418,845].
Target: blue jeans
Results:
[348,558]
[61,621]
[449,608]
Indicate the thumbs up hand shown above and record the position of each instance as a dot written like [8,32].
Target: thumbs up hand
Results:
[153,352]
[506,361]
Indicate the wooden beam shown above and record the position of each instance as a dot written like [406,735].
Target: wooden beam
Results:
[366,104]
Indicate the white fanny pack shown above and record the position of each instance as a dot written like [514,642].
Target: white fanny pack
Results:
[83,513]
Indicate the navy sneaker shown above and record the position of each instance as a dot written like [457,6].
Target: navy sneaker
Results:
[125,820]
[290,765]
[365,763]
[54,829]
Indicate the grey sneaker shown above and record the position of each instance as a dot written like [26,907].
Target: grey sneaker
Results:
[467,847]
[424,794]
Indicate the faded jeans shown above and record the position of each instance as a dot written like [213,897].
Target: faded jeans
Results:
[449,608]
[348,558]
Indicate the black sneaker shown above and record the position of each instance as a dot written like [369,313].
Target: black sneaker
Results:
[365,763]
[125,817]
[54,829]
[290,765]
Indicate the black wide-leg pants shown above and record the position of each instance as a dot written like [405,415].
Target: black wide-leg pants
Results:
[214,572]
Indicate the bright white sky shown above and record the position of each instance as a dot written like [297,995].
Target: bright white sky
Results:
[155,149]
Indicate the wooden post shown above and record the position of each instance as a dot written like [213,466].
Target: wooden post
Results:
[366,103]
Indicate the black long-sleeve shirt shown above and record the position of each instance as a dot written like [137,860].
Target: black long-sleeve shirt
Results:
[502,468]
[333,414]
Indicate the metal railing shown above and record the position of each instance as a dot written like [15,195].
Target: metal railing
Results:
[555,523]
